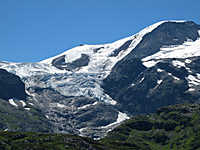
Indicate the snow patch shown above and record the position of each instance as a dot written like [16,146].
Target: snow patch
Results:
[160,70]
[11,101]
[176,78]
[133,84]
[141,80]
[198,75]
[191,89]
[159,82]
[85,106]
[27,108]
[31,104]
[60,105]
[150,63]
[111,101]
[192,80]
[178,64]
[121,117]
[81,131]
[186,50]
[188,61]
[23,103]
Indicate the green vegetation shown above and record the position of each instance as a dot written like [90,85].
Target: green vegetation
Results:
[172,127]
[37,141]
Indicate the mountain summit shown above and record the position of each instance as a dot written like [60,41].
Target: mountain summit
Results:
[90,89]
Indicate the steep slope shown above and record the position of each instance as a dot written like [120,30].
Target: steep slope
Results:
[168,34]
[98,58]
[91,89]
[172,127]
[158,71]
[15,113]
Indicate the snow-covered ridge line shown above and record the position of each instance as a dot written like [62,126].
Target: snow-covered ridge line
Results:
[88,48]
[97,60]
[103,60]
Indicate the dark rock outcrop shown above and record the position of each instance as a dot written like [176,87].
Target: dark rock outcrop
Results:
[11,86]
[122,75]
[141,90]
[60,63]
[123,47]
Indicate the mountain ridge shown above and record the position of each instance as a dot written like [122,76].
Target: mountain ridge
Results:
[91,89]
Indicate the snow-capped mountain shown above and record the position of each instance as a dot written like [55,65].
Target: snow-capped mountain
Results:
[90,89]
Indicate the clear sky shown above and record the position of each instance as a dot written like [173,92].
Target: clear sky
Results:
[33,30]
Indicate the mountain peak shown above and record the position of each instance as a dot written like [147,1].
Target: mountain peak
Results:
[166,34]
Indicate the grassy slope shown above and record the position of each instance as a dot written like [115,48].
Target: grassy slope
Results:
[172,127]
[37,141]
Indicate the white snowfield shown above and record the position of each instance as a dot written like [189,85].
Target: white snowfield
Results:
[186,50]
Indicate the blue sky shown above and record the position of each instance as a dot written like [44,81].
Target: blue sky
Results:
[33,30]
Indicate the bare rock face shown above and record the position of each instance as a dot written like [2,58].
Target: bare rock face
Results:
[11,86]
[142,90]
[60,62]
